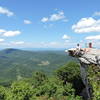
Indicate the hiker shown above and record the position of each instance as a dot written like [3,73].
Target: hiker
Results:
[78,46]
[89,48]
[77,49]
[90,45]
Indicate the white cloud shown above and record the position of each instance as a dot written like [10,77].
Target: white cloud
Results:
[86,25]
[27,22]
[6,33]
[65,36]
[96,37]
[55,17]
[5,11]
[2,31]
[11,33]
[17,43]
[44,19]
[1,40]
[96,14]
[58,16]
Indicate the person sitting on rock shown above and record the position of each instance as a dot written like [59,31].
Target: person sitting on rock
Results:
[78,46]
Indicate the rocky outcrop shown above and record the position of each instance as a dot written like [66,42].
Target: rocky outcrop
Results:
[86,57]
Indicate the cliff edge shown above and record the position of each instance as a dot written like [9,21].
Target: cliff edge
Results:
[89,59]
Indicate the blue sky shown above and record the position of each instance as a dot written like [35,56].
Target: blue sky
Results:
[49,23]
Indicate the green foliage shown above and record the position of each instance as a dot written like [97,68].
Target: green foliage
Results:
[2,92]
[18,64]
[39,78]
[20,90]
[39,87]
[68,72]
[94,79]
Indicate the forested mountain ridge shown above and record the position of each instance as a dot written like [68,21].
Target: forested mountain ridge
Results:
[16,64]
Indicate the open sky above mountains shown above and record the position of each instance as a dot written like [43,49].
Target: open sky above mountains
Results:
[49,23]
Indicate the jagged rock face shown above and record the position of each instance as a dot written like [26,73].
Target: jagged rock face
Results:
[83,69]
[86,57]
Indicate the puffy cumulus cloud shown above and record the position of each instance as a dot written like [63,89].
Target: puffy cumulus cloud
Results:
[5,11]
[58,16]
[96,37]
[65,36]
[27,22]
[55,17]
[2,40]
[86,25]
[96,14]
[11,33]
[6,33]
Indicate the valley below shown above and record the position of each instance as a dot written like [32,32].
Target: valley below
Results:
[16,64]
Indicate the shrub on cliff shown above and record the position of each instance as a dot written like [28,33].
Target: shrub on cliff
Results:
[94,81]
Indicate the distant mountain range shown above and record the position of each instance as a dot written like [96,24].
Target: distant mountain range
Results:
[16,64]
[39,49]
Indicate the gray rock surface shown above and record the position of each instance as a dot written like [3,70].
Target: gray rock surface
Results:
[86,56]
